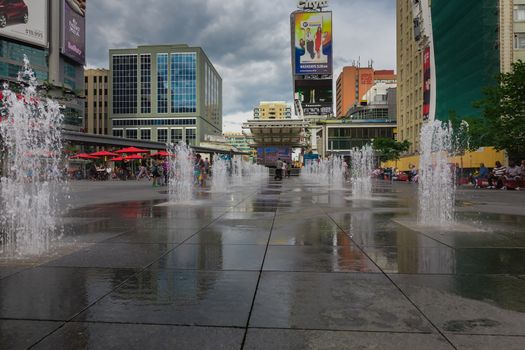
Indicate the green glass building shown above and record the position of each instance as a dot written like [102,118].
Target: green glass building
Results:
[466,51]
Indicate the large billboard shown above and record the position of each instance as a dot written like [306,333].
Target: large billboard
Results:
[312,41]
[426,83]
[268,155]
[316,96]
[74,32]
[25,20]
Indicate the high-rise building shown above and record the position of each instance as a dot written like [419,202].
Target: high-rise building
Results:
[354,82]
[52,36]
[96,106]
[447,52]
[164,93]
[272,110]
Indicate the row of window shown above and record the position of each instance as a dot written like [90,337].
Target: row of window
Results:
[97,79]
[145,83]
[152,122]
[180,85]
[174,135]
[359,133]
[124,80]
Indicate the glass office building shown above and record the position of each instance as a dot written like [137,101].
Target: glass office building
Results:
[164,93]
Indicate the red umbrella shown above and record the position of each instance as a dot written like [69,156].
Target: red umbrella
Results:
[132,150]
[83,156]
[104,154]
[133,157]
[162,154]
[116,159]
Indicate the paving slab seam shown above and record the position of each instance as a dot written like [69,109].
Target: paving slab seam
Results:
[156,324]
[488,334]
[396,286]
[129,278]
[257,284]
[340,330]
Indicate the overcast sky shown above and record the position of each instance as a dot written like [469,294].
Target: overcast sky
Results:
[248,41]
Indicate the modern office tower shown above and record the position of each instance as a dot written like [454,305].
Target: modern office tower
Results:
[164,93]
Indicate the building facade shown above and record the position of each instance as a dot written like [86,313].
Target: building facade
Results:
[241,142]
[164,93]
[46,39]
[519,30]
[96,105]
[410,77]
[354,82]
[272,110]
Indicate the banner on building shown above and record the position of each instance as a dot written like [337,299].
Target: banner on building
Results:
[74,31]
[426,83]
[312,42]
[25,20]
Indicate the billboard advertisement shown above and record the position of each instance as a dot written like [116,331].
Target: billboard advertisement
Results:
[25,20]
[269,155]
[316,96]
[74,32]
[426,83]
[312,42]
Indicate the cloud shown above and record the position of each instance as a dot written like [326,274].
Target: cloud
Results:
[248,41]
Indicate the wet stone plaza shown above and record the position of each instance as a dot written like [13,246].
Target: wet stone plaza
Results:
[277,265]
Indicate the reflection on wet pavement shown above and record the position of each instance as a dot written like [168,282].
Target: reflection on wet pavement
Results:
[284,266]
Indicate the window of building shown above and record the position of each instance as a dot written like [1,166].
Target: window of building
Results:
[131,133]
[519,13]
[162,83]
[176,135]
[162,135]
[124,77]
[519,41]
[145,134]
[118,132]
[152,122]
[191,136]
[145,83]
[183,82]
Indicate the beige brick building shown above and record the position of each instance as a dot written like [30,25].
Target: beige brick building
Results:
[96,107]
[409,77]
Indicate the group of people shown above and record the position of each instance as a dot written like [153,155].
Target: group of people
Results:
[501,177]
[282,168]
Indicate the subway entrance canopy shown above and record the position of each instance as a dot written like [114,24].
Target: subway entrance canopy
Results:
[288,132]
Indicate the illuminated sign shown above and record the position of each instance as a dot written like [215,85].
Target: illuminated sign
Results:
[312,5]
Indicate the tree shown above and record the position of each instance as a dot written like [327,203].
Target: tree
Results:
[502,122]
[390,149]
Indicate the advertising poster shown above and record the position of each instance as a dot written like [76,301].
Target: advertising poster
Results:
[426,83]
[269,155]
[25,20]
[74,33]
[313,42]
[316,96]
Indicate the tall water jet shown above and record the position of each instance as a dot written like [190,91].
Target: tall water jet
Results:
[361,169]
[337,172]
[436,179]
[181,176]
[219,179]
[30,130]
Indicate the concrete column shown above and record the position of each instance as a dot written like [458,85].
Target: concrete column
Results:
[55,28]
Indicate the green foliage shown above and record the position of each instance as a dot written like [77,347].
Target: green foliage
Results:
[390,149]
[502,124]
